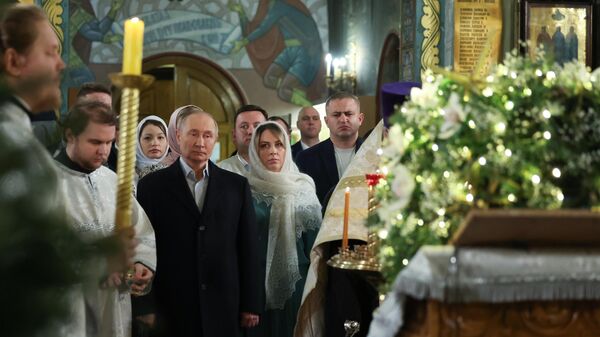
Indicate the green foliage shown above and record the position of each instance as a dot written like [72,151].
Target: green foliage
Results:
[527,136]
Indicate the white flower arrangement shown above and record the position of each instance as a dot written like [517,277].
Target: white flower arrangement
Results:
[526,136]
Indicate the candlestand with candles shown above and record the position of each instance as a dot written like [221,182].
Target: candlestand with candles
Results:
[131,82]
[130,85]
[362,257]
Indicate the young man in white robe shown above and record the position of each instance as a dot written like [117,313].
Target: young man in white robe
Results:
[91,201]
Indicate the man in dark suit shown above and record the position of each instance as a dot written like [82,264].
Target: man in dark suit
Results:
[327,161]
[348,296]
[309,124]
[207,278]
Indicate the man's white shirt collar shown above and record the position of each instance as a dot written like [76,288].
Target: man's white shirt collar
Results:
[187,169]
[244,162]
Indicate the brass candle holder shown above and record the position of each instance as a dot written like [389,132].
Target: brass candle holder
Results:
[362,257]
[131,85]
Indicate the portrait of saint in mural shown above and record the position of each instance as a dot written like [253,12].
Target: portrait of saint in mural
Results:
[284,46]
[562,32]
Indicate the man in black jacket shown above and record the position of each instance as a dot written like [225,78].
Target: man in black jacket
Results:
[207,277]
[348,296]
[327,161]
[309,124]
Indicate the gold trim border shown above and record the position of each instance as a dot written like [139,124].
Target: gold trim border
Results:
[430,53]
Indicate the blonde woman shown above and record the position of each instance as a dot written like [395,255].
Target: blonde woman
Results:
[288,215]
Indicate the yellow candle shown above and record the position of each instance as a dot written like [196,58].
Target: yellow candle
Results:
[346,214]
[133,46]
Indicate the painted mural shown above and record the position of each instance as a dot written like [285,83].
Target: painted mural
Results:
[282,40]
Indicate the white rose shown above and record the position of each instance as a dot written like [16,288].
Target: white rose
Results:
[454,115]
[427,97]
[573,72]
[402,186]
[396,139]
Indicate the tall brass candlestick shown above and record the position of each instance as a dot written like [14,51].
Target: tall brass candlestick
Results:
[131,86]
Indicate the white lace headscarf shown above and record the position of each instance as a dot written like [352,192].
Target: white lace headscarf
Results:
[142,161]
[295,208]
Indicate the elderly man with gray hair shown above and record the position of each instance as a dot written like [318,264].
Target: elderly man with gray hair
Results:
[207,281]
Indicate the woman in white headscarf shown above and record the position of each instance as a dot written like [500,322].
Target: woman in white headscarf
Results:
[152,145]
[288,214]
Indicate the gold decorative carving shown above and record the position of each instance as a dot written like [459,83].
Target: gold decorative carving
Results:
[430,53]
[55,10]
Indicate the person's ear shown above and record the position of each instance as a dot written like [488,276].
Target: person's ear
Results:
[361,117]
[69,136]
[178,136]
[13,62]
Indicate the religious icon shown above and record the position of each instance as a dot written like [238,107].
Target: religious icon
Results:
[558,40]
[561,30]
[544,40]
[571,45]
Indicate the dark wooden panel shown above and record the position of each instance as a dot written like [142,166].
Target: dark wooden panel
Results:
[522,319]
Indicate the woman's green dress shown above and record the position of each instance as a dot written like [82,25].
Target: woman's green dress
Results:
[275,322]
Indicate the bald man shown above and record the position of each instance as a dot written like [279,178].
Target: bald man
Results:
[309,124]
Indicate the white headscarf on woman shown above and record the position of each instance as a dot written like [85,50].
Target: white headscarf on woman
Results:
[295,208]
[142,161]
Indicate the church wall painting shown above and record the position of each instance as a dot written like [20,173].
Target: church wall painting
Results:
[282,40]
[563,29]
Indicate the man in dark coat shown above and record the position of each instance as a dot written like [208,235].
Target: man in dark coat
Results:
[348,296]
[309,124]
[207,277]
[327,161]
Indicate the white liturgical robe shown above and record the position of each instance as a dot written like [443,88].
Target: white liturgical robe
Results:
[90,205]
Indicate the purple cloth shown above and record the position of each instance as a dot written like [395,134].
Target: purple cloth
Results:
[394,93]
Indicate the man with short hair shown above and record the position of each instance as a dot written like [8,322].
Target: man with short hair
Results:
[327,161]
[283,123]
[347,295]
[309,124]
[95,92]
[247,118]
[208,282]
[98,92]
[91,191]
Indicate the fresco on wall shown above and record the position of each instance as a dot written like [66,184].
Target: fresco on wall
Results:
[86,28]
[282,40]
[283,43]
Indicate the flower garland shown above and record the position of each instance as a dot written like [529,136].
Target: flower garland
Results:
[527,136]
